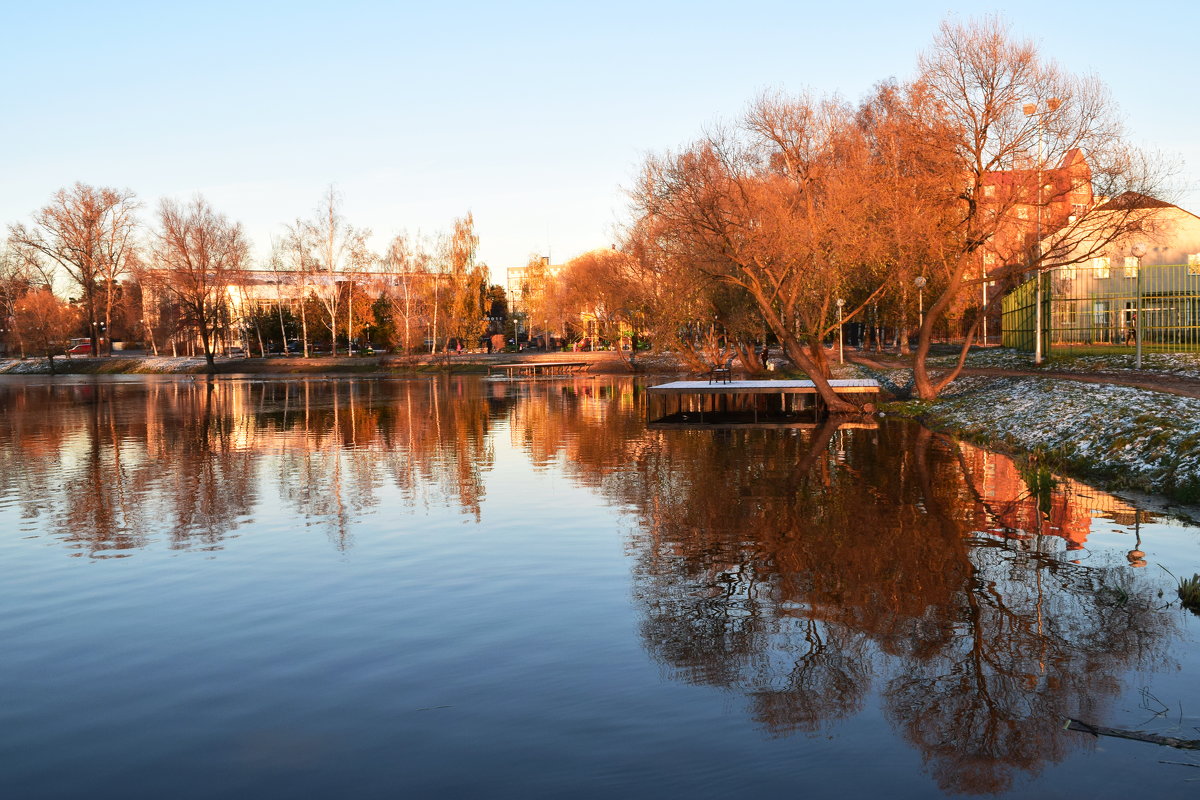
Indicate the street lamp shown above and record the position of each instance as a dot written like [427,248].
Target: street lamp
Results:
[1139,250]
[920,282]
[841,343]
[1031,110]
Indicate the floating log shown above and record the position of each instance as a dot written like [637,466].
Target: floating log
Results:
[1137,736]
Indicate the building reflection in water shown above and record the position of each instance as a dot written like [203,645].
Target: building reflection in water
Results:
[803,569]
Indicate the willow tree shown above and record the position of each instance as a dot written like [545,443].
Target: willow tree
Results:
[777,208]
[605,285]
[681,308]
[468,282]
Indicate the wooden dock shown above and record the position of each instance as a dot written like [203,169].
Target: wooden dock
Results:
[689,401]
[526,369]
[869,425]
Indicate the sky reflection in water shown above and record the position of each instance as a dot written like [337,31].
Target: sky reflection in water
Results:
[450,586]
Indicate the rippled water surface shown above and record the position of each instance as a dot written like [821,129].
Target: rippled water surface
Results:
[465,588]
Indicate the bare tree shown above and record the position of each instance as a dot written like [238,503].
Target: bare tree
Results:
[338,252]
[16,279]
[293,257]
[45,322]
[88,232]
[197,253]
[993,106]
[408,260]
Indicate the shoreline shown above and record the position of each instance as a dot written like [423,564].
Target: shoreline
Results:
[602,362]
[1121,438]
[1118,438]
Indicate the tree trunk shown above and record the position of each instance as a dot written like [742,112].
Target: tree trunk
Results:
[923,384]
[108,319]
[819,357]
[797,353]
[282,330]
[206,342]
[303,328]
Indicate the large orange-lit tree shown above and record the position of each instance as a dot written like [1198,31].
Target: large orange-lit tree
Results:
[985,104]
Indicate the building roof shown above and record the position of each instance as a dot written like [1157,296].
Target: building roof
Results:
[1130,200]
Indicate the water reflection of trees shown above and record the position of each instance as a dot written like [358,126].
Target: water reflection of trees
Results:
[111,466]
[803,569]
[806,569]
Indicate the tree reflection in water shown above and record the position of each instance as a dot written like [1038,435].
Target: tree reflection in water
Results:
[803,569]
[114,465]
[806,570]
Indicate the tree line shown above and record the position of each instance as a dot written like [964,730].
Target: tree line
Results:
[188,279]
[911,212]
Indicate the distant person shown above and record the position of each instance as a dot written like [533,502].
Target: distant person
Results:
[765,353]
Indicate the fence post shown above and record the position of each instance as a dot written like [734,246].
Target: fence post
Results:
[1047,314]
[1137,332]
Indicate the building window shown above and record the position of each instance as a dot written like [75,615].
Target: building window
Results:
[1102,266]
[1131,266]
[989,191]
[989,259]
[1193,263]
[1022,212]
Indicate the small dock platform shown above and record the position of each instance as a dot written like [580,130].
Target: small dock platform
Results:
[528,369]
[752,401]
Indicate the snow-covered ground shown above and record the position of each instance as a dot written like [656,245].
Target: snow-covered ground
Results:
[1132,438]
[131,364]
[1181,364]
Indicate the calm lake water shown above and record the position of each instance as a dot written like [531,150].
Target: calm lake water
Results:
[455,587]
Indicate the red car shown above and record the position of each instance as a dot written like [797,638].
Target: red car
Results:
[80,347]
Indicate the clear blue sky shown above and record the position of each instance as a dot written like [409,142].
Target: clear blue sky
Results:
[530,115]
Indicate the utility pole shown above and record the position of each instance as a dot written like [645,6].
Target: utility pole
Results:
[1031,110]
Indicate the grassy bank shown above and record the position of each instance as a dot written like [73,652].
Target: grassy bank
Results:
[1116,436]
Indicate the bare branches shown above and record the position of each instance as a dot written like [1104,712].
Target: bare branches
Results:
[332,253]
[197,254]
[89,233]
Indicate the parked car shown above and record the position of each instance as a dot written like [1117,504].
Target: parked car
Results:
[80,347]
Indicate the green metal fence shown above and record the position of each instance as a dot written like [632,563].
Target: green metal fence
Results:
[1019,315]
[1099,307]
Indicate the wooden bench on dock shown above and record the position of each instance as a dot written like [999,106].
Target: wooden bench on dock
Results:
[526,369]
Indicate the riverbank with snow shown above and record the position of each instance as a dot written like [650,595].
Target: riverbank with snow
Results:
[1118,436]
